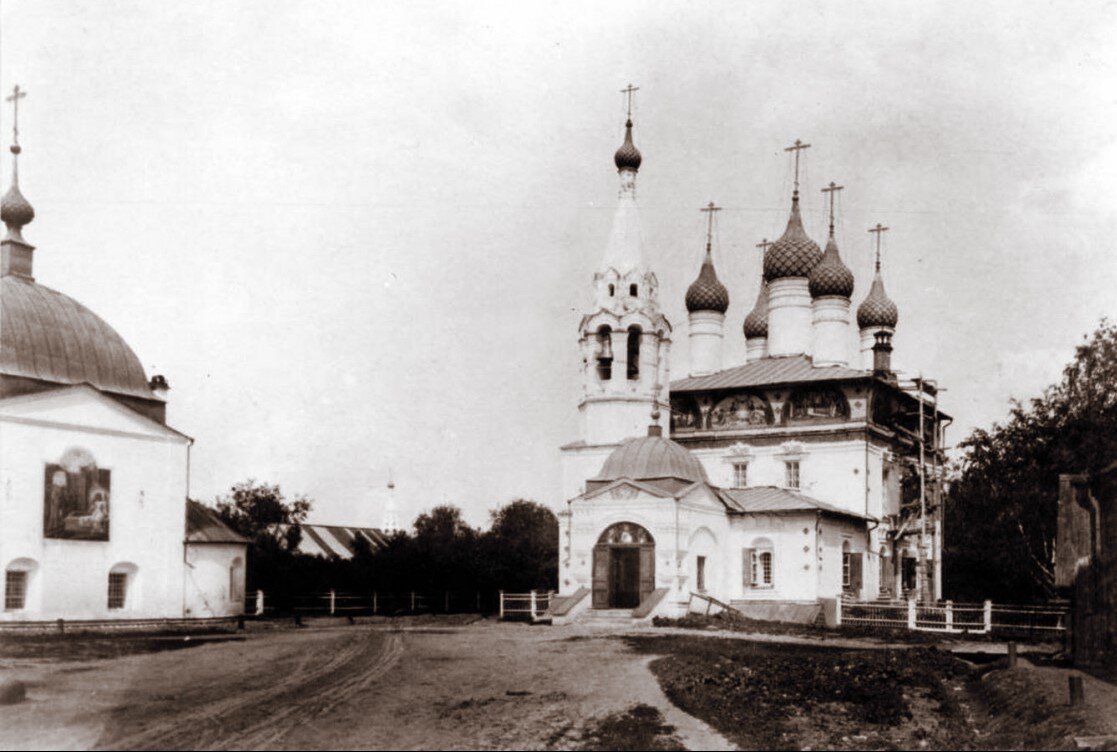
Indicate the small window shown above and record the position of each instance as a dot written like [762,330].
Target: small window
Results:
[762,569]
[700,579]
[118,589]
[632,290]
[846,569]
[612,290]
[15,590]
[740,474]
[791,474]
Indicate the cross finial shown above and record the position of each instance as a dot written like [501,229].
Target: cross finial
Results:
[763,244]
[630,90]
[832,189]
[709,209]
[16,95]
[797,147]
[879,230]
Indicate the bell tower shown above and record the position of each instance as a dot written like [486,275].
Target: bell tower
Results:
[624,339]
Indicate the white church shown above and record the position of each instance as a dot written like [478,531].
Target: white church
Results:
[95,522]
[772,485]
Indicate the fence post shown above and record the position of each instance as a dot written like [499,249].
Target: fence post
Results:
[950,616]
[838,611]
[412,601]
[333,602]
[987,616]
[259,602]
[501,603]
[911,613]
[374,601]
[532,604]
[1012,655]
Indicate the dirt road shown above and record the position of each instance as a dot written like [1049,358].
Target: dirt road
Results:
[486,685]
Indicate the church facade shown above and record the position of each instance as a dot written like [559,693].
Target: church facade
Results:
[799,476]
[95,522]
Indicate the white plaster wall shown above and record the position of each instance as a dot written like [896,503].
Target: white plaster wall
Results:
[579,464]
[789,316]
[706,332]
[147,511]
[834,533]
[207,580]
[830,330]
[794,562]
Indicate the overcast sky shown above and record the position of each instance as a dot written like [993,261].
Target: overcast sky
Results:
[360,235]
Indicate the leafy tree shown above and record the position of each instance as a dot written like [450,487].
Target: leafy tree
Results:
[262,514]
[521,546]
[1000,513]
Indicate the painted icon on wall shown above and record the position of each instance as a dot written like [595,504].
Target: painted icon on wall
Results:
[76,498]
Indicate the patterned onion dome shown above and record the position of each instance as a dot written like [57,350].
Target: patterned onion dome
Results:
[707,293]
[831,276]
[651,458]
[628,156]
[756,323]
[877,309]
[794,254]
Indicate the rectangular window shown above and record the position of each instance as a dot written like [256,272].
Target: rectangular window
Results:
[118,587]
[15,590]
[740,474]
[846,567]
[701,578]
[792,473]
[761,574]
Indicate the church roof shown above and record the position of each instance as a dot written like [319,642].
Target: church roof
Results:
[707,293]
[831,276]
[48,336]
[794,254]
[652,457]
[877,309]
[628,156]
[772,499]
[337,541]
[783,370]
[756,322]
[204,526]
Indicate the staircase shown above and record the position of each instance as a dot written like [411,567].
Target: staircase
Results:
[608,618]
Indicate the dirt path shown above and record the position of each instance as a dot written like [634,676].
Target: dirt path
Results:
[483,686]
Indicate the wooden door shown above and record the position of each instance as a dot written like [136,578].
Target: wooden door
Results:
[647,571]
[624,577]
[600,598]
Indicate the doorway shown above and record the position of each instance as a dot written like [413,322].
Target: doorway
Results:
[623,566]
[624,577]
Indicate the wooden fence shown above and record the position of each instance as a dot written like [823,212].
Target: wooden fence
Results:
[1035,622]
[337,603]
[530,606]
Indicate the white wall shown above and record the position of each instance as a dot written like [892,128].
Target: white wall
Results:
[794,562]
[147,506]
[209,589]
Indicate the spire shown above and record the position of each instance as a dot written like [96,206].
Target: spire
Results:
[15,210]
[877,309]
[625,250]
[707,293]
[831,276]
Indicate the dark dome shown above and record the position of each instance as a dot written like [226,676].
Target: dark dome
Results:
[51,337]
[877,309]
[650,458]
[15,210]
[831,276]
[707,293]
[794,254]
[628,156]
[756,323]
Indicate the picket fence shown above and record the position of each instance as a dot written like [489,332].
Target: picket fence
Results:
[529,606]
[985,618]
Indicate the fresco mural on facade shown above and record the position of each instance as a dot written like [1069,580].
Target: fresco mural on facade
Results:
[76,498]
[684,416]
[816,404]
[741,411]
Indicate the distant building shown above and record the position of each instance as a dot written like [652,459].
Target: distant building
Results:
[337,541]
[1086,566]
[783,480]
[94,518]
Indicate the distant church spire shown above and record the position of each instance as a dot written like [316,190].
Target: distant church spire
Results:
[389,525]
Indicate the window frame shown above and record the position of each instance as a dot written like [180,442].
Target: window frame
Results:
[23,578]
[740,473]
[793,470]
[847,570]
[120,601]
[762,572]
[700,573]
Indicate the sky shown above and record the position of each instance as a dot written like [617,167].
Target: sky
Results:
[358,237]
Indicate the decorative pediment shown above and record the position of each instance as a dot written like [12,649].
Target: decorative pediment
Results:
[792,449]
[739,451]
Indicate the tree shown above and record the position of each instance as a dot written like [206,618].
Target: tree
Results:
[521,547]
[260,512]
[1000,514]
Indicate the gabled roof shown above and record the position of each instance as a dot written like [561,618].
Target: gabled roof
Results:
[44,397]
[654,488]
[761,499]
[204,526]
[337,541]
[790,369]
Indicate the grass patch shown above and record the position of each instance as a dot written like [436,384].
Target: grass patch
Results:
[90,646]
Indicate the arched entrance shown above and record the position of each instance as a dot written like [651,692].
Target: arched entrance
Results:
[623,566]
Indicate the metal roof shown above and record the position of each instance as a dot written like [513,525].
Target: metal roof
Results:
[649,457]
[783,370]
[51,337]
[337,541]
[758,499]
[204,526]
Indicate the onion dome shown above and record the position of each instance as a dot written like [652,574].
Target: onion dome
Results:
[628,156]
[794,254]
[756,323]
[707,293]
[877,309]
[652,458]
[831,276]
[15,210]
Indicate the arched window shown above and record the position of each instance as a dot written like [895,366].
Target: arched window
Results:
[236,580]
[121,580]
[759,563]
[604,352]
[634,333]
[632,290]
[17,584]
